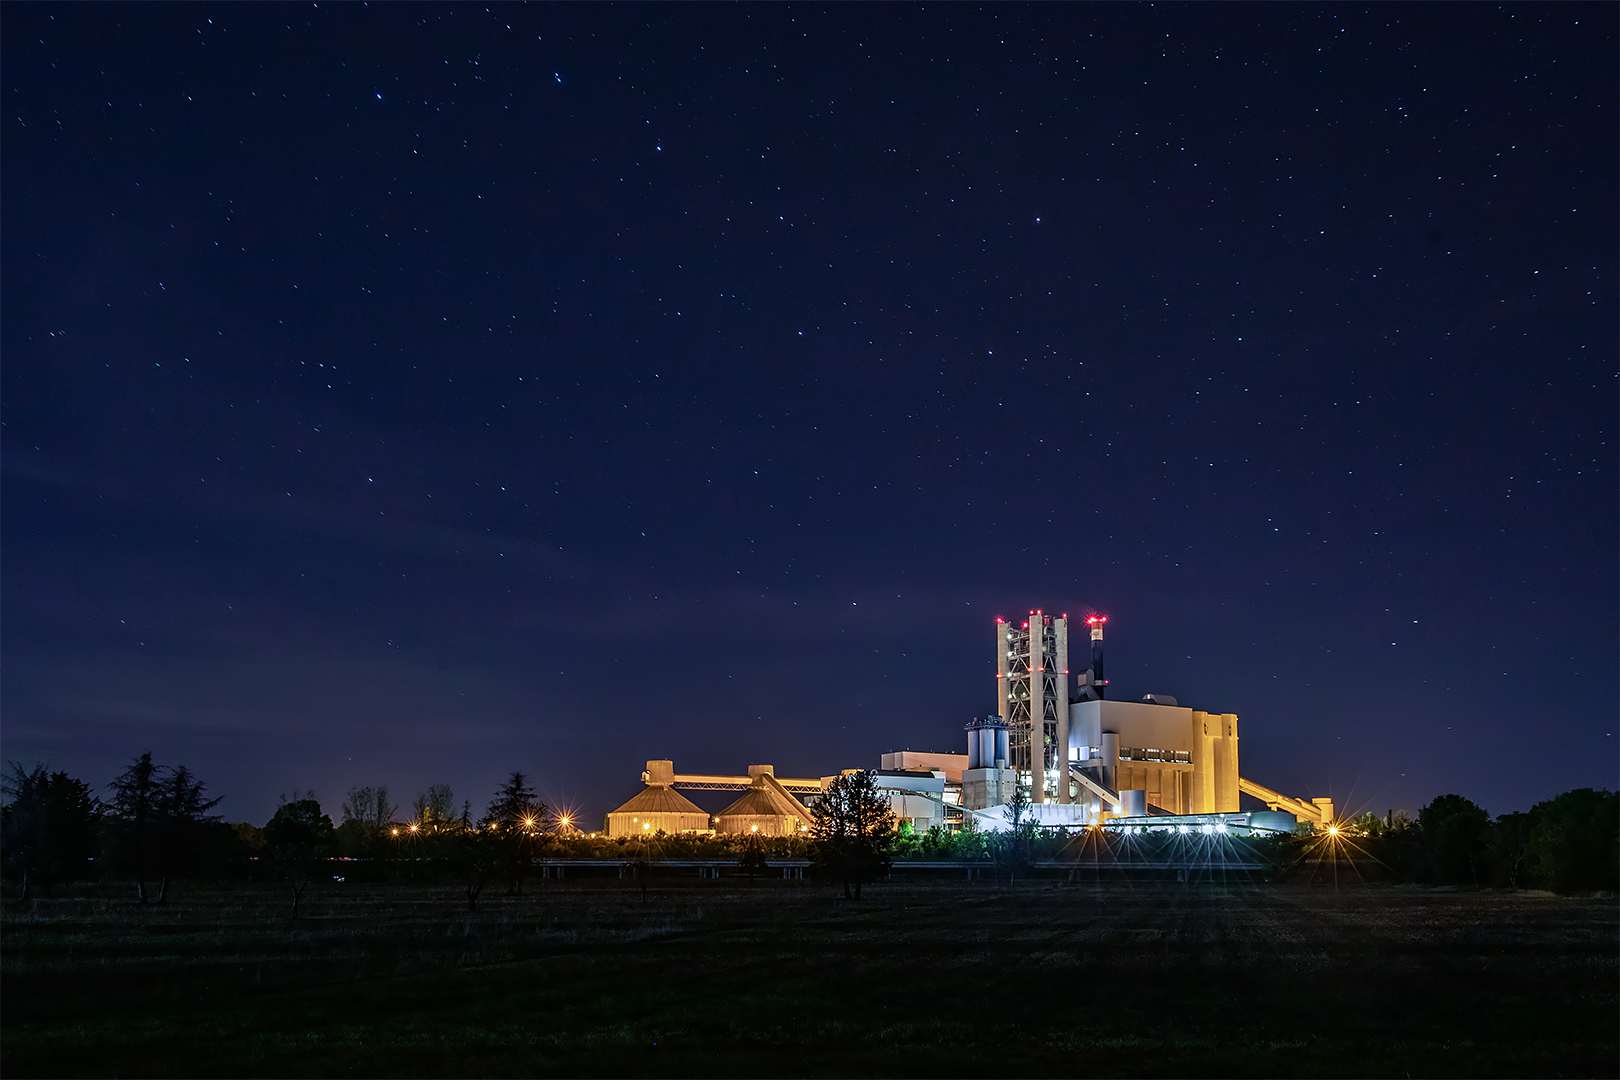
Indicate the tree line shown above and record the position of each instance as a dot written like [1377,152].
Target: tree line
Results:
[156,823]
[1569,843]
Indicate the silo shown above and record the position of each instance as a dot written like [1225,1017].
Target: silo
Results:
[1110,760]
[974,758]
[1003,754]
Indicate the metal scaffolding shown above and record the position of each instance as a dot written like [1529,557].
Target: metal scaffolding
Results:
[1032,690]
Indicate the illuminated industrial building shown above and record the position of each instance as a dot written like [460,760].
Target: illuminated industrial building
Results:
[766,808]
[1099,758]
[769,806]
[1080,759]
[1032,677]
[657,808]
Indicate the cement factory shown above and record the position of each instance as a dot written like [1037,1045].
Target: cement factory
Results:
[1079,760]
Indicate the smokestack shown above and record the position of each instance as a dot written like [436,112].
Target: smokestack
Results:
[1096,623]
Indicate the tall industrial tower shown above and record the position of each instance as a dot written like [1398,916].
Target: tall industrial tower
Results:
[1032,695]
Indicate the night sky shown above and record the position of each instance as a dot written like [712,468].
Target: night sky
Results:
[407,394]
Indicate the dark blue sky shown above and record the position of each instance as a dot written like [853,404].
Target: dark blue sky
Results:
[403,394]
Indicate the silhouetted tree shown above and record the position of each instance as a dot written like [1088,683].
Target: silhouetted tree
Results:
[49,826]
[368,816]
[519,818]
[1505,842]
[135,812]
[853,829]
[1010,851]
[300,839]
[1574,841]
[221,849]
[249,852]
[433,809]
[475,852]
[182,820]
[752,860]
[1454,831]
[969,842]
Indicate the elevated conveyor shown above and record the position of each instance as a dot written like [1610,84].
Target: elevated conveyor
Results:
[727,783]
[1317,811]
[1109,797]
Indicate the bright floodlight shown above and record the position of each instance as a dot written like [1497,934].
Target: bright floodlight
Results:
[1333,830]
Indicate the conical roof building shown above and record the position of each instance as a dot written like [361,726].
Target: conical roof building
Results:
[766,808]
[657,808]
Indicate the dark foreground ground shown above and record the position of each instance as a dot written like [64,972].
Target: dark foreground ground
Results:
[783,978]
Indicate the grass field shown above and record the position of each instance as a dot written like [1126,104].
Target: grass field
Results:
[937,978]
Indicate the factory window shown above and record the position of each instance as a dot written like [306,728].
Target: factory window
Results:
[1147,753]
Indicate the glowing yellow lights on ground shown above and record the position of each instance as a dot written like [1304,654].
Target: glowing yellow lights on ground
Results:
[413,828]
[396,832]
[756,828]
[528,821]
[1333,830]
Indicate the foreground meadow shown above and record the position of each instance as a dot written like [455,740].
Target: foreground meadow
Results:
[785,978]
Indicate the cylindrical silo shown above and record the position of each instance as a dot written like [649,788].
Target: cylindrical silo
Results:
[1133,803]
[1110,760]
[1099,682]
[1060,754]
[973,745]
[1003,753]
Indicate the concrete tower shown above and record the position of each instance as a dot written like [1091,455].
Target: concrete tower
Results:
[1097,679]
[1032,694]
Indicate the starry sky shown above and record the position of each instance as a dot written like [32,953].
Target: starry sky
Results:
[402,394]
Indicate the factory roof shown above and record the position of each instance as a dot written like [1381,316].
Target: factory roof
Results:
[660,799]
